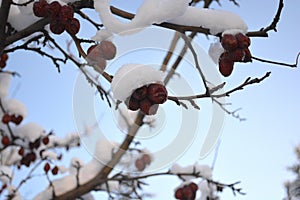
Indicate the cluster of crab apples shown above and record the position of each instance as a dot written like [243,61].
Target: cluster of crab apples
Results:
[186,192]
[61,17]
[236,50]
[98,54]
[147,98]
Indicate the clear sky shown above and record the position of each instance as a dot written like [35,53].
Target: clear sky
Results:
[255,152]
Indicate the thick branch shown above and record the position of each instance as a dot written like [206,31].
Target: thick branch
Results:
[4,11]
[101,177]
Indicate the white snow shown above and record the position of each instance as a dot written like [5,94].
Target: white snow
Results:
[20,20]
[4,84]
[216,21]
[215,50]
[50,155]
[150,12]
[104,150]
[204,170]
[30,131]
[10,156]
[6,174]
[132,76]
[14,106]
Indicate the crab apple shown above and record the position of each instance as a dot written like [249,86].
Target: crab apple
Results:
[147,107]
[108,49]
[139,164]
[53,10]
[17,119]
[6,118]
[147,159]
[140,93]
[73,26]
[229,42]
[31,156]
[157,93]
[45,140]
[237,55]
[5,140]
[40,8]
[179,193]
[46,167]
[54,170]
[226,67]
[4,57]
[56,27]
[132,104]
[248,56]
[66,14]
[188,192]
[243,40]
[21,151]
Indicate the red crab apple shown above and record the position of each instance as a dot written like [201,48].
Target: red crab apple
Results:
[140,165]
[45,140]
[179,193]
[6,118]
[108,49]
[56,27]
[73,26]
[243,40]
[40,8]
[248,56]
[132,104]
[47,167]
[4,57]
[226,67]
[54,170]
[94,57]
[146,158]
[5,140]
[53,9]
[193,186]
[157,93]
[66,14]
[229,42]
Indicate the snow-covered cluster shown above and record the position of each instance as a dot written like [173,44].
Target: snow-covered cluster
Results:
[158,11]
[132,76]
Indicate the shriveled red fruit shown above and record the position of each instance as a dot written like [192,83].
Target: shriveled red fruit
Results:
[108,49]
[73,26]
[193,186]
[56,27]
[6,118]
[248,56]
[66,14]
[54,170]
[229,42]
[188,193]
[5,140]
[31,156]
[133,104]
[17,119]
[45,140]
[4,57]
[146,158]
[54,9]
[140,93]
[46,167]
[40,8]
[179,193]
[243,40]
[237,55]
[157,93]
[25,161]
[226,67]
[140,165]
[21,151]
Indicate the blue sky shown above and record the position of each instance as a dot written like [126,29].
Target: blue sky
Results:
[255,152]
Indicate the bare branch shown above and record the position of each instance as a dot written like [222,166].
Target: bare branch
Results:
[278,63]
